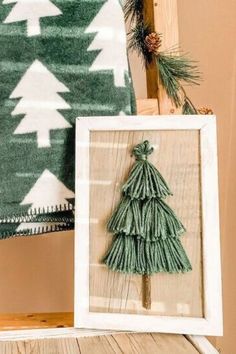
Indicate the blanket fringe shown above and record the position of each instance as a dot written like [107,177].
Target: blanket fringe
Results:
[27,216]
[37,230]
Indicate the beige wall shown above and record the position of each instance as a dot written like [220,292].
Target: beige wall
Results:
[208,31]
[36,274]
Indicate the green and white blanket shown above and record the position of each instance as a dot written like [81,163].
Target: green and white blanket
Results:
[59,59]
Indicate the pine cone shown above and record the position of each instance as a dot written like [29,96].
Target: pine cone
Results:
[153,42]
[205,110]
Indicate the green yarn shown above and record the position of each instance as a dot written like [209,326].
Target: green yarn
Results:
[127,218]
[145,181]
[159,221]
[130,254]
[146,229]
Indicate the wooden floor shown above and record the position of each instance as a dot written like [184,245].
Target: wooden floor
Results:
[112,344]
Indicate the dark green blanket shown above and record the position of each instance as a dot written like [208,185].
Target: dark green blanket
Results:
[59,59]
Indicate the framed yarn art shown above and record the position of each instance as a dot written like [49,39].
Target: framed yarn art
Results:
[147,248]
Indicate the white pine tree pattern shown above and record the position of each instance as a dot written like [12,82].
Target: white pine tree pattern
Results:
[31,11]
[110,40]
[40,101]
[49,192]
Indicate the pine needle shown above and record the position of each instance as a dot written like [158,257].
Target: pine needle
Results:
[188,107]
[137,37]
[173,71]
[133,9]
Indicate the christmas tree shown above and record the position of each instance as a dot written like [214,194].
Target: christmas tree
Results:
[40,199]
[31,11]
[147,231]
[40,103]
[56,194]
[107,25]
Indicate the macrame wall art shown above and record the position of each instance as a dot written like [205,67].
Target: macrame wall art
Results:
[146,230]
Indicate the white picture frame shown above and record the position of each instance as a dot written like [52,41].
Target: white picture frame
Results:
[211,324]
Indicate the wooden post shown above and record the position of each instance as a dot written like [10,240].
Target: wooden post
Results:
[164,14]
[151,73]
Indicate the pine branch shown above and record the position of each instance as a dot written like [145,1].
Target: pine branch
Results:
[133,9]
[188,107]
[174,70]
[137,37]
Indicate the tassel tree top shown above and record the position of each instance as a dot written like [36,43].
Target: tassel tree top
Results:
[145,181]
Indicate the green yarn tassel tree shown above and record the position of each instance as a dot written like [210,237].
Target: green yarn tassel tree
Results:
[146,230]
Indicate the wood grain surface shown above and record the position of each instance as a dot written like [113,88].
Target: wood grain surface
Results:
[35,320]
[176,156]
[117,344]
[163,14]
[166,23]
[151,70]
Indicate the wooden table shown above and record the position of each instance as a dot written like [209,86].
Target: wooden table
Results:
[53,333]
[118,343]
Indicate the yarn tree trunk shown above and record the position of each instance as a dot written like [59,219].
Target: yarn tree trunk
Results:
[146,230]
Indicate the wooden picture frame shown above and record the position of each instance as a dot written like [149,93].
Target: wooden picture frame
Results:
[210,323]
